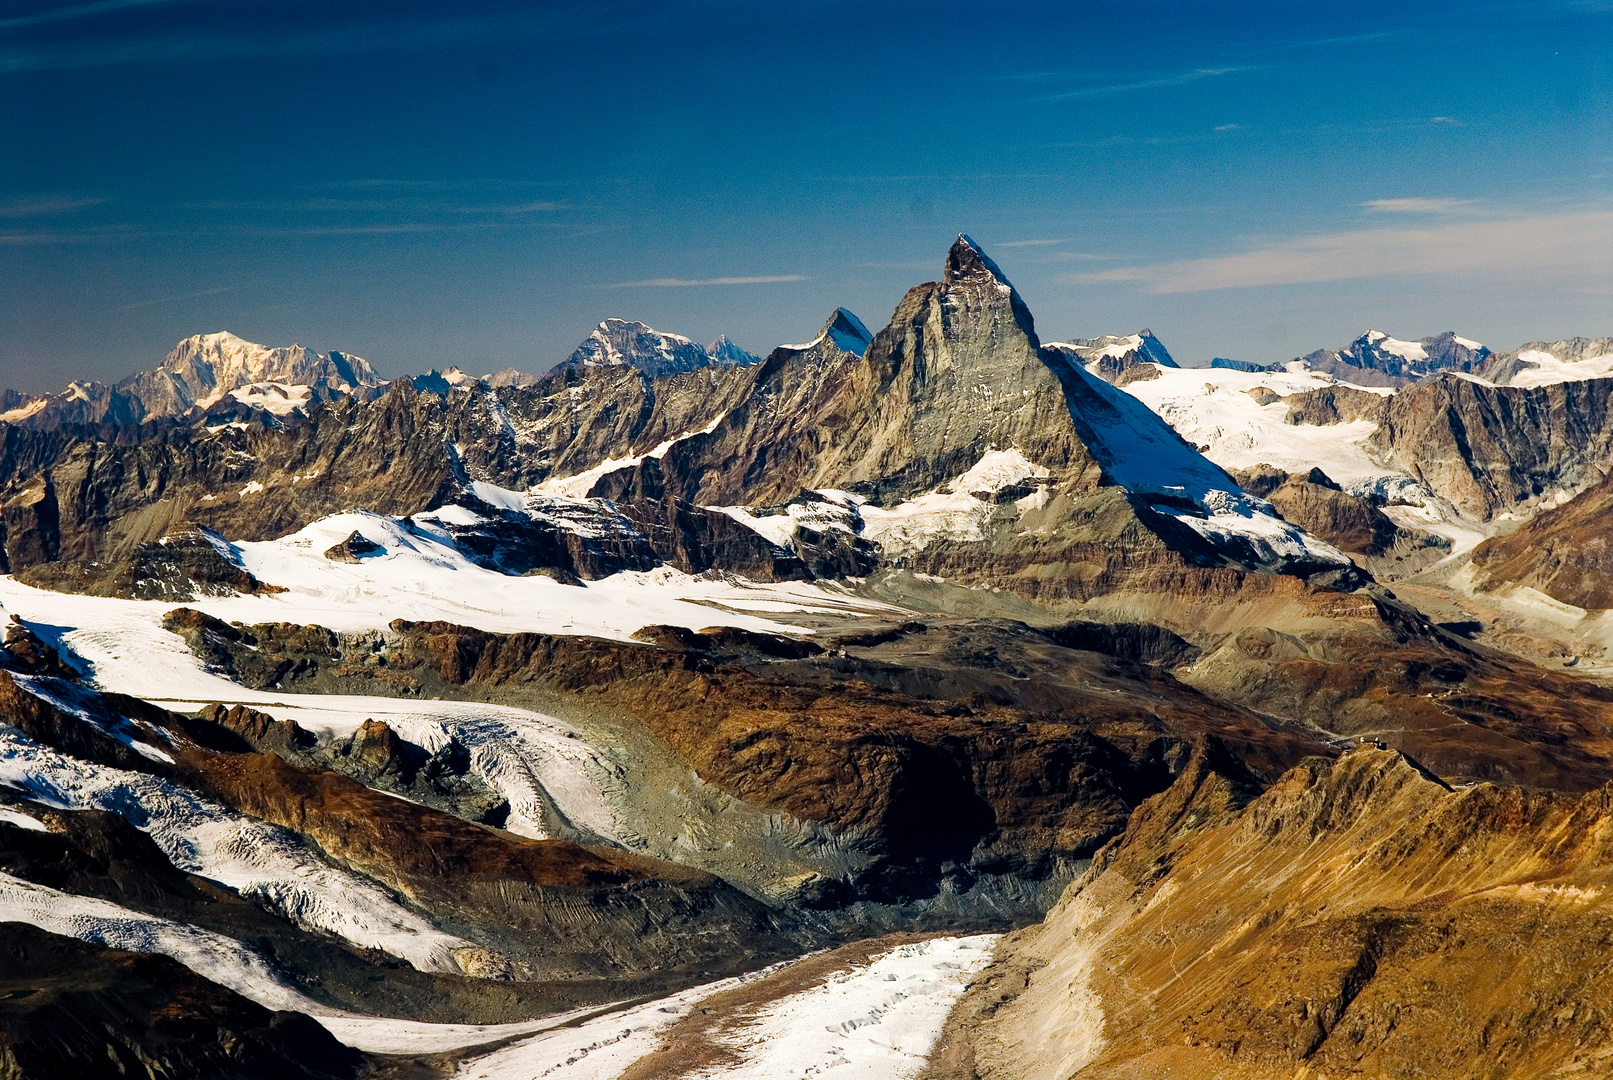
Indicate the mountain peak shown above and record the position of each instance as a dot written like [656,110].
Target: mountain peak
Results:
[847,332]
[966,259]
[624,343]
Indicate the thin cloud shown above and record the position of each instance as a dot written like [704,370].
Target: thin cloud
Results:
[1161,83]
[77,11]
[1227,127]
[41,205]
[332,30]
[1416,206]
[682,283]
[1566,246]
[1451,120]
[1028,243]
[173,299]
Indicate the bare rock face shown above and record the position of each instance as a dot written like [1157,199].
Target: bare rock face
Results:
[1379,924]
[75,1010]
[1332,405]
[1566,553]
[185,563]
[1348,522]
[1492,449]
[354,549]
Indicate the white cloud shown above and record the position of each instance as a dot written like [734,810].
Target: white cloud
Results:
[678,283]
[1416,206]
[38,205]
[1567,247]
[1028,243]
[1182,79]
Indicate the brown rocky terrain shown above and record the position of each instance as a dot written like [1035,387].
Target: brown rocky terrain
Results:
[1357,918]
[71,1010]
[1494,449]
[1350,523]
[990,745]
[1565,552]
[550,906]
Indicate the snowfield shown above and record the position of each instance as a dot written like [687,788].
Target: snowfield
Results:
[248,856]
[875,1022]
[1212,407]
[878,1021]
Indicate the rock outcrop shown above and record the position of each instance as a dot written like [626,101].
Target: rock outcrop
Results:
[1498,449]
[1565,552]
[71,1010]
[1378,923]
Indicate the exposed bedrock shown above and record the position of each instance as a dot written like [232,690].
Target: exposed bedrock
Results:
[1566,553]
[1350,523]
[1497,449]
[559,910]
[71,1010]
[1377,923]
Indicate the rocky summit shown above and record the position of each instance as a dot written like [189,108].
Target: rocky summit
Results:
[999,707]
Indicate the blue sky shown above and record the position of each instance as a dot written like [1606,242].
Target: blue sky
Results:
[428,184]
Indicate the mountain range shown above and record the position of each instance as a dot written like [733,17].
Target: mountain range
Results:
[1023,708]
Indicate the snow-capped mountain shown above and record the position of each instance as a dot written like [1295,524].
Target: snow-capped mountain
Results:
[1118,360]
[617,343]
[1376,359]
[844,331]
[1542,363]
[205,371]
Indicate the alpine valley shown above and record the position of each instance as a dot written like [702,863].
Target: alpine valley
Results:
[928,701]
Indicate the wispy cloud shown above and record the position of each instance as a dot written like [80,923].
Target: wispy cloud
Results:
[1227,127]
[1159,83]
[1567,246]
[212,33]
[1028,243]
[76,11]
[173,299]
[41,205]
[1416,206]
[679,283]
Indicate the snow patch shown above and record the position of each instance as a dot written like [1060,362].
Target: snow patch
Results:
[21,820]
[879,1020]
[251,857]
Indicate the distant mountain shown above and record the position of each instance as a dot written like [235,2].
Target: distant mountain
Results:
[1541,363]
[218,372]
[844,331]
[1376,359]
[1118,360]
[1239,365]
[619,343]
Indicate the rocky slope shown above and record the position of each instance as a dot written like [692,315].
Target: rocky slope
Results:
[1564,552]
[1498,449]
[70,1009]
[1378,923]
